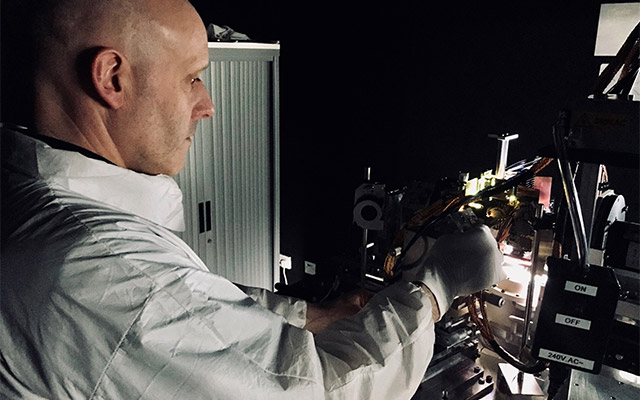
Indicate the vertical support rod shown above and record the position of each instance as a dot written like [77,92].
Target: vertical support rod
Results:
[588,193]
[503,152]
[560,132]
[535,254]
[365,238]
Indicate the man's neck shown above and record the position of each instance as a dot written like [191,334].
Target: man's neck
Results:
[74,120]
[54,142]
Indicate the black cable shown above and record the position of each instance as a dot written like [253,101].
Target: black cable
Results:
[419,233]
[558,374]
[535,368]
[487,335]
[334,286]
[522,176]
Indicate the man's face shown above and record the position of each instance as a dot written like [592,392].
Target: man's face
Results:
[168,100]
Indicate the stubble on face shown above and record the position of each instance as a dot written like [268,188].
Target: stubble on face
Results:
[161,134]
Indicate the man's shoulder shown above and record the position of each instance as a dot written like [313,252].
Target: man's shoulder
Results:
[49,216]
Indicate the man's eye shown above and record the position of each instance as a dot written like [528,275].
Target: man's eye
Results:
[195,80]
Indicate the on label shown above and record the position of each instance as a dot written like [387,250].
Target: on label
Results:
[581,288]
[573,321]
[566,359]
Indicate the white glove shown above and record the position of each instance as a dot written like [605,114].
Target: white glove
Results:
[456,264]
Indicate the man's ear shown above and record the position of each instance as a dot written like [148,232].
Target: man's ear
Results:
[107,70]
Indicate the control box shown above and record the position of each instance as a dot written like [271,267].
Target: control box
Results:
[576,315]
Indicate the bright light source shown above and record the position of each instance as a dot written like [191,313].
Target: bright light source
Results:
[508,249]
[616,22]
[628,377]
[377,278]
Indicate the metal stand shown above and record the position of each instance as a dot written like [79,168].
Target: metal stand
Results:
[503,152]
[516,384]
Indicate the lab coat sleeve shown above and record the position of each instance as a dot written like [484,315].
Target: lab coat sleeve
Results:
[380,353]
[383,351]
[229,347]
[293,310]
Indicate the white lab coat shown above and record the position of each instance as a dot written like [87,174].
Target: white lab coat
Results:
[100,300]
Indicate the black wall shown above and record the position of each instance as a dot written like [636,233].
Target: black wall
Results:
[411,90]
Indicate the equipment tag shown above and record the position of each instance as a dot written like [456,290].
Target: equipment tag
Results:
[581,288]
[573,321]
[566,359]
[576,314]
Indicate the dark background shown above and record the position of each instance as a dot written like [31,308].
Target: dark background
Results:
[411,90]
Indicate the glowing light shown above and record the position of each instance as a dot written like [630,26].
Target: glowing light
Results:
[540,280]
[517,273]
[508,249]
[377,278]
[629,377]
[477,206]
[471,187]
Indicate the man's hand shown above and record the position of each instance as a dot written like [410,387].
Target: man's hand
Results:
[459,264]
[319,316]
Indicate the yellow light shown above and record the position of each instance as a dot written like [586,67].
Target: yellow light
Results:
[477,206]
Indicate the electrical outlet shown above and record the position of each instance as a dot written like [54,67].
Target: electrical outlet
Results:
[285,262]
[309,268]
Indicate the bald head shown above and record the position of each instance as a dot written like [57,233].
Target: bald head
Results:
[121,78]
[67,28]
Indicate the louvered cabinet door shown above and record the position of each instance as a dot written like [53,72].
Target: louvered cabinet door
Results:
[230,183]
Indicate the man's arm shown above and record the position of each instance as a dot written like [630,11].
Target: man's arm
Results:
[313,317]
[435,311]
[383,351]
[198,335]
[321,315]
[293,310]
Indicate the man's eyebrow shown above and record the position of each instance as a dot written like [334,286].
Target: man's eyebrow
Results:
[204,67]
[198,71]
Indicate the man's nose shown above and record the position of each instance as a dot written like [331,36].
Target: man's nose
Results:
[204,106]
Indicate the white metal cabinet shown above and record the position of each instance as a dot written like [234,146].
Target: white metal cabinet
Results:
[230,182]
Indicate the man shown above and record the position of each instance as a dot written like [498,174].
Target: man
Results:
[100,300]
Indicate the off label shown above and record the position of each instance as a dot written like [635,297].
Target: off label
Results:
[573,321]
[581,288]
[566,359]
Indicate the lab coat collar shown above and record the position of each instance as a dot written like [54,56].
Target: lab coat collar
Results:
[154,197]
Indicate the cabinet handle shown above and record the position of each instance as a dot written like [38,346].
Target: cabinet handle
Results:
[201,217]
[208,209]
[204,216]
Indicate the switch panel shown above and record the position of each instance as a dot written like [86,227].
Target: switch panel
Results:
[576,315]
